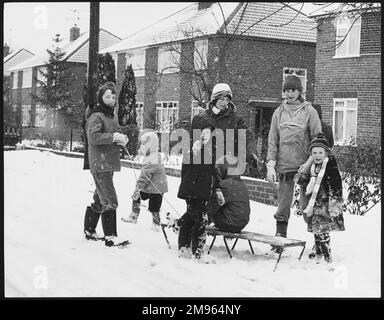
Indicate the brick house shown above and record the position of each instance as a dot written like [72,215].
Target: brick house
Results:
[34,118]
[348,75]
[252,48]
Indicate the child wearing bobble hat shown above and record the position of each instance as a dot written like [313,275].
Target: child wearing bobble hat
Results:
[324,212]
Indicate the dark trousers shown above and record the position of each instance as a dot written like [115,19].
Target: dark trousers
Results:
[104,197]
[155,200]
[192,225]
[223,224]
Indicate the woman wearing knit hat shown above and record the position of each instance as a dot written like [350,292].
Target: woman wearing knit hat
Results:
[324,212]
[294,123]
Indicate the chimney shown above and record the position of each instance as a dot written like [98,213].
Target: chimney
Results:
[204,5]
[74,33]
[6,50]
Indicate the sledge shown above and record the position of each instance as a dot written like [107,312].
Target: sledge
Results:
[279,242]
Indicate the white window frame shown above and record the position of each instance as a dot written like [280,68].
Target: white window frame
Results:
[41,116]
[169,59]
[140,115]
[137,59]
[296,72]
[39,76]
[26,115]
[344,109]
[200,54]
[343,24]
[27,78]
[15,79]
[195,109]
[168,107]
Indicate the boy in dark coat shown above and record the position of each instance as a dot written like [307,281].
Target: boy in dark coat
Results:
[104,160]
[324,212]
[231,210]
[195,188]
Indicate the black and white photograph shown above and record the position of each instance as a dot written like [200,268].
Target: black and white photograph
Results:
[192,150]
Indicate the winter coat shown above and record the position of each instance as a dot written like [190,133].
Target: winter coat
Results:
[103,154]
[229,119]
[292,129]
[327,211]
[196,178]
[236,209]
[153,178]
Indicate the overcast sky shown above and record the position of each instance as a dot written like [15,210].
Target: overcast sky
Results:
[32,25]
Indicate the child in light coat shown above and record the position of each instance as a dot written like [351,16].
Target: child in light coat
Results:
[152,182]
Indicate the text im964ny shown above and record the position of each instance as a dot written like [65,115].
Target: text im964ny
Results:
[192,309]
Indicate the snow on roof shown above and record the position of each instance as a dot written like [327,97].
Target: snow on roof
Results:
[14,53]
[75,51]
[277,21]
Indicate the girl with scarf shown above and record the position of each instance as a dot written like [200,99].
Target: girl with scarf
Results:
[324,212]
[103,160]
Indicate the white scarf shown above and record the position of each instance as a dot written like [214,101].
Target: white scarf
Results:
[314,185]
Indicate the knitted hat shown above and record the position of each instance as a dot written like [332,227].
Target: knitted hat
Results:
[320,141]
[292,82]
[221,90]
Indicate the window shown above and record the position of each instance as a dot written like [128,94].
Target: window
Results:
[347,36]
[40,119]
[137,59]
[345,121]
[26,115]
[301,73]
[167,114]
[168,59]
[200,54]
[140,114]
[27,78]
[196,109]
[40,77]
[15,80]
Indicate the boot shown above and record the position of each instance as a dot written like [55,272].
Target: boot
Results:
[316,249]
[90,222]
[134,214]
[326,247]
[281,231]
[108,220]
[155,221]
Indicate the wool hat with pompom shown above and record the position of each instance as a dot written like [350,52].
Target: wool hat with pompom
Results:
[221,90]
[320,141]
[292,82]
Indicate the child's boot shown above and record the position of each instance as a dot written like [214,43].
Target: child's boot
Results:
[155,221]
[281,231]
[316,249]
[326,247]
[108,220]
[132,218]
[90,222]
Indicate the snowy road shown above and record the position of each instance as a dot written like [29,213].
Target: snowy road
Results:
[45,196]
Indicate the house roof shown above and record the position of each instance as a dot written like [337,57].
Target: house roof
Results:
[274,20]
[75,51]
[15,53]
[334,9]
[15,58]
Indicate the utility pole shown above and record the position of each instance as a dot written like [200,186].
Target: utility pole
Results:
[93,52]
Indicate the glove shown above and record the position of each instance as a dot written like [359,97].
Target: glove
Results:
[220,197]
[254,160]
[271,172]
[196,146]
[136,195]
[120,139]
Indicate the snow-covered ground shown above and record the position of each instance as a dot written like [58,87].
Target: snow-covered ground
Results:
[46,255]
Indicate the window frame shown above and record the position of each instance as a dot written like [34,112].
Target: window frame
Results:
[40,120]
[140,115]
[138,66]
[347,40]
[170,64]
[344,109]
[304,84]
[25,115]
[15,79]
[200,57]
[25,79]
[160,106]
[40,77]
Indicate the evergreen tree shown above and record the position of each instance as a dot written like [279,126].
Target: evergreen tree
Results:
[55,88]
[127,110]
